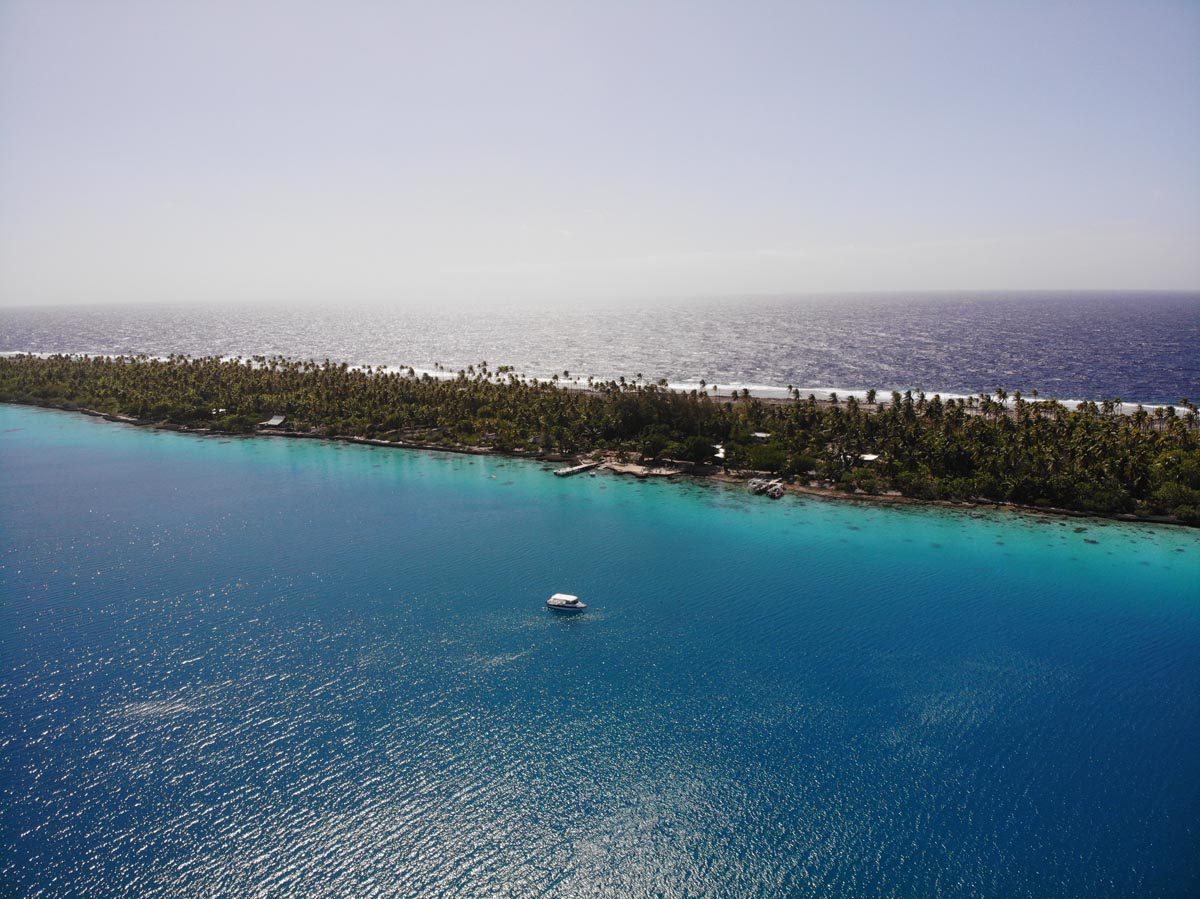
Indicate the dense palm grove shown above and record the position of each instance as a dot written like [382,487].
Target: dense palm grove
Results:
[992,447]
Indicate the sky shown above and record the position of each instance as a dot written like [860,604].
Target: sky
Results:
[393,152]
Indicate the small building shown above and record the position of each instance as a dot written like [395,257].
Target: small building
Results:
[719,450]
[868,457]
[761,436]
[273,422]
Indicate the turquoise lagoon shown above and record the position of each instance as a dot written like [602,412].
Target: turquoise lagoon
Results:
[283,667]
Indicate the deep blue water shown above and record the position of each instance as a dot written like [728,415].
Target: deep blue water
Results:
[273,667]
[1139,347]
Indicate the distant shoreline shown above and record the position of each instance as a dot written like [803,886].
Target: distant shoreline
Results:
[672,470]
[764,393]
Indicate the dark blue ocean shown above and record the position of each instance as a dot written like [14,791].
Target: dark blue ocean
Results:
[1138,347]
[268,667]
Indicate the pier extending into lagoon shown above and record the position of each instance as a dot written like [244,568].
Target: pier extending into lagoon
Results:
[576,469]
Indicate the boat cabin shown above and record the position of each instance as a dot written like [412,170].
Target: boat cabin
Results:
[565,602]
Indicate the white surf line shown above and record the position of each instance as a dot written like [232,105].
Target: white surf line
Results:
[581,382]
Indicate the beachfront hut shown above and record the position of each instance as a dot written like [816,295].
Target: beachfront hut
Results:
[273,422]
[868,457]
[761,436]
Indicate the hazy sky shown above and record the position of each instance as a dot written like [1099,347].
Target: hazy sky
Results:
[351,151]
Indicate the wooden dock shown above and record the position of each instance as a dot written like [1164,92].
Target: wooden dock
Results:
[576,469]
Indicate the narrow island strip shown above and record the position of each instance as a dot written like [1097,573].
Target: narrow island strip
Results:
[999,449]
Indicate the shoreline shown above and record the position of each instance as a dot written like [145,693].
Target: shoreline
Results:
[711,474]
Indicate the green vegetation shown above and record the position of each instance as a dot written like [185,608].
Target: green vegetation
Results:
[1035,453]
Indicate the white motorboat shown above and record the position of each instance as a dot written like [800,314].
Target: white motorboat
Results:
[565,602]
